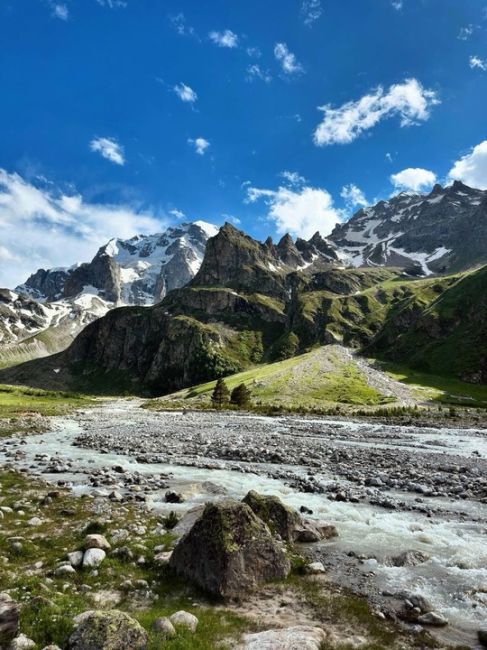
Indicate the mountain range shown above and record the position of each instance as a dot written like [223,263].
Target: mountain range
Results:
[401,280]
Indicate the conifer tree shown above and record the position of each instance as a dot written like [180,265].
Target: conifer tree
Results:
[240,395]
[221,394]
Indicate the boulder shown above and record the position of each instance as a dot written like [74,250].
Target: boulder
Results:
[97,541]
[409,558]
[291,638]
[110,630]
[164,628]
[93,557]
[9,619]
[285,521]
[482,635]
[433,618]
[22,642]
[75,558]
[229,551]
[184,619]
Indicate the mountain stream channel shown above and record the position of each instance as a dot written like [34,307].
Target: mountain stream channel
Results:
[386,488]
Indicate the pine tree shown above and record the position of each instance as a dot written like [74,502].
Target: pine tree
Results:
[240,395]
[221,394]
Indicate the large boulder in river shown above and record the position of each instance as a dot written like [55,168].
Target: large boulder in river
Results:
[107,630]
[285,521]
[229,551]
[9,619]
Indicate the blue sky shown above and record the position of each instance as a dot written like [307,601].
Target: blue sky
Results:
[122,116]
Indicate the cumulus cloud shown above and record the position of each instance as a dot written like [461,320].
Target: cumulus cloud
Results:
[289,64]
[60,11]
[113,4]
[477,62]
[471,169]
[301,212]
[293,178]
[185,93]
[413,178]
[353,196]
[227,38]
[397,4]
[200,145]
[180,25]
[110,149]
[465,33]
[409,101]
[254,72]
[311,11]
[42,228]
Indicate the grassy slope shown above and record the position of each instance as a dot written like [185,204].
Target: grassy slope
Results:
[320,378]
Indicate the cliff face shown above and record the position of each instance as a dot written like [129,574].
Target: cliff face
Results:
[249,299]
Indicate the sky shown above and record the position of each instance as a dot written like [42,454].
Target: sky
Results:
[121,117]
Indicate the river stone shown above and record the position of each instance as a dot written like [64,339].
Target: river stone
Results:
[164,628]
[482,635]
[93,557]
[409,558]
[291,638]
[9,619]
[432,618]
[184,619]
[97,541]
[111,630]
[229,551]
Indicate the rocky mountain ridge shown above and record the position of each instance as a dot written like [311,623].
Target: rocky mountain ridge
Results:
[444,231]
[45,314]
[241,309]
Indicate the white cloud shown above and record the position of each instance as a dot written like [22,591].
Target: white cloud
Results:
[112,4]
[477,62]
[185,93]
[409,101]
[471,169]
[42,228]
[389,157]
[227,38]
[179,23]
[300,212]
[254,72]
[287,59]
[254,52]
[179,214]
[311,11]
[110,149]
[229,217]
[465,33]
[60,10]
[413,178]
[293,178]
[353,196]
[397,4]
[200,145]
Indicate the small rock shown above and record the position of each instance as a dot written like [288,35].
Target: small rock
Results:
[162,559]
[184,619]
[22,643]
[164,628]
[35,521]
[97,541]
[110,630]
[75,558]
[64,570]
[9,619]
[174,497]
[315,568]
[482,635]
[291,638]
[432,618]
[93,557]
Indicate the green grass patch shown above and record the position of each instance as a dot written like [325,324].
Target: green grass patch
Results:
[19,400]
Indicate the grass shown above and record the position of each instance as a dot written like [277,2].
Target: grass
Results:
[443,390]
[321,378]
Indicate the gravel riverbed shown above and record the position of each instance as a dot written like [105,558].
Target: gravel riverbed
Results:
[388,489]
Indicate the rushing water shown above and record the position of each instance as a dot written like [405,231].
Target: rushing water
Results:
[454,579]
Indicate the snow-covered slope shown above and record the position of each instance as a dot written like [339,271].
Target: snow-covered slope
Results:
[44,315]
[439,232]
